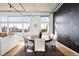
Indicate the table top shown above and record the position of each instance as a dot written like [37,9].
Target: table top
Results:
[46,40]
[44,36]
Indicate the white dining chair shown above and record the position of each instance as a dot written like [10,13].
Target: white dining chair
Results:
[28,43]
[39,45]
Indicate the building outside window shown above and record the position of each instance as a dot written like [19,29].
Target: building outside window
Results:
[4,23]
[15,24]
[4,27]
[19,24]
[15,27]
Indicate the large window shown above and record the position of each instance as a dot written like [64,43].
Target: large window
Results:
[4,27]
[17,24]
[4,19]
[44,19]
[27,19]
[15,19]
[44,23]
[26,27]
[15,27]
[43,26]
[3,22]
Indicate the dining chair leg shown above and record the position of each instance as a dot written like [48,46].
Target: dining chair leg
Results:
[44,53]
[35,53]
[54,48]
[26,47]
[33,48]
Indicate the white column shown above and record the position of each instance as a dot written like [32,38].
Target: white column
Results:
[23,26]
[51,23]
[7,24]
[0,24]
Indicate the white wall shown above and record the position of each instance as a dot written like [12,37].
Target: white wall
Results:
[0,24]
[51,23]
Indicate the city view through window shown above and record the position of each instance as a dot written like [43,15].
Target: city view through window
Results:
[17,24]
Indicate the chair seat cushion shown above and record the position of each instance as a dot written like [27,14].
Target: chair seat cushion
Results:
[39,44]
[29,43]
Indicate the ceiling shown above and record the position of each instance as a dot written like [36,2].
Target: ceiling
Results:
[29,7]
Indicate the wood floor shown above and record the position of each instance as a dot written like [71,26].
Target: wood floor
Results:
[49,52]
[65,50]
[15,49]
[20,51]
[59,50]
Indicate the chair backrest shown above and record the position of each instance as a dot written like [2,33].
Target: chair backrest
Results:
[25,39]
[51,36]
[54,40]
[39,44]
[45,36]
[34,36]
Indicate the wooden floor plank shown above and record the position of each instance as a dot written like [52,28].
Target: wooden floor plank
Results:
[20,49]
[65,50]
[15,49]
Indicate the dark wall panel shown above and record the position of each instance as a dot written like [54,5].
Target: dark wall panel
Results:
[67,21]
